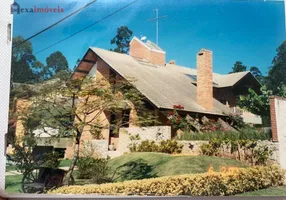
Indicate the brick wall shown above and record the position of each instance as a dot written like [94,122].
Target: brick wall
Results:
[205,79]
[141,51]
[273,119]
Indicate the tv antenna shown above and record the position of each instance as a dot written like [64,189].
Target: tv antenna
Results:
[143,38]
[157,23]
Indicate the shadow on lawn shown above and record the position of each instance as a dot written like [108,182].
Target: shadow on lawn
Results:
[134,170]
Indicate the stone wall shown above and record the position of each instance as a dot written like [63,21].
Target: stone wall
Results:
[192,147]
[128,136]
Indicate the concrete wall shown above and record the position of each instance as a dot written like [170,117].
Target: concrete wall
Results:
[278,125]
[156,133]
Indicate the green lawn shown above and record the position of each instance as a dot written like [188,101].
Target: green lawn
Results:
[274,191]
[148,165]
[65,163]
[10,168]
[13,183]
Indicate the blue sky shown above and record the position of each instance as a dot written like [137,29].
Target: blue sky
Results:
[244,30]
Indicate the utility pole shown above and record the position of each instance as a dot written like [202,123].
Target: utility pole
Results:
[157,24]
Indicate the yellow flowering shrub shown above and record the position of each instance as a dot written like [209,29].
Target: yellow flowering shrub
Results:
[227,182]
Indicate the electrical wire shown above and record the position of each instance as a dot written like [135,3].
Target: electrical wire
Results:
[51,26]
[122,8]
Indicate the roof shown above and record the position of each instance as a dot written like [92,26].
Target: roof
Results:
[219,80]
[164,86]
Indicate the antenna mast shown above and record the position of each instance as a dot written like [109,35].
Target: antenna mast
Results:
[157,24]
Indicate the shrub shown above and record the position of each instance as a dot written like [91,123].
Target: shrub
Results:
[93,168]
[170,146]
[229,182]
[165,146]
[51,160]
[246,133]
[247,150]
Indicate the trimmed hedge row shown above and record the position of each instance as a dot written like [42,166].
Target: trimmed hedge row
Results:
[229,182]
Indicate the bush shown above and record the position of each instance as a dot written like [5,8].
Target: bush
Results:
[165,146]
[51,160]
[93,168]
[246,133]
[229,182]
[246,150]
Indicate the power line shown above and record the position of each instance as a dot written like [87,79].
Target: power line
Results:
[87,27]
[16,45]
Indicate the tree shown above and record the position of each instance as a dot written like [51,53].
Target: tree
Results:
[255,71]
[259,104]
[78,105]
[56,62]
[22,67]
[238,67]
[122,40]
[257,74]
[277,73]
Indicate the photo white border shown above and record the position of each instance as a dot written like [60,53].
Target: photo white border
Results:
[5,66]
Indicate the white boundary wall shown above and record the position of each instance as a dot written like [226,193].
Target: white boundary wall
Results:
[278,123]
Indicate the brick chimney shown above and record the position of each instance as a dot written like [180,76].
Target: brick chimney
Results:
[148,51]
[205,79]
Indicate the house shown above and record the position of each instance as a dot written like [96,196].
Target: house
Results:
[199,91]
[164,85]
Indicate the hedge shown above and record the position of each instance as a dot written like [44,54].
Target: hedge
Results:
[229,182]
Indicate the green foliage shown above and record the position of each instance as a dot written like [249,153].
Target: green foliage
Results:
[246,133]
[93,168]
[262,154]
[170,147]
[122,40]
[51,160]
[165,146]
[257,104]
[238,67]
[134,137]
[209,149]
[25,158]
[56,62]
[27,69]
[277,73]
[257,74]
[252,153]
[228,182]
[23,154]
[22,67]
[236,121]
